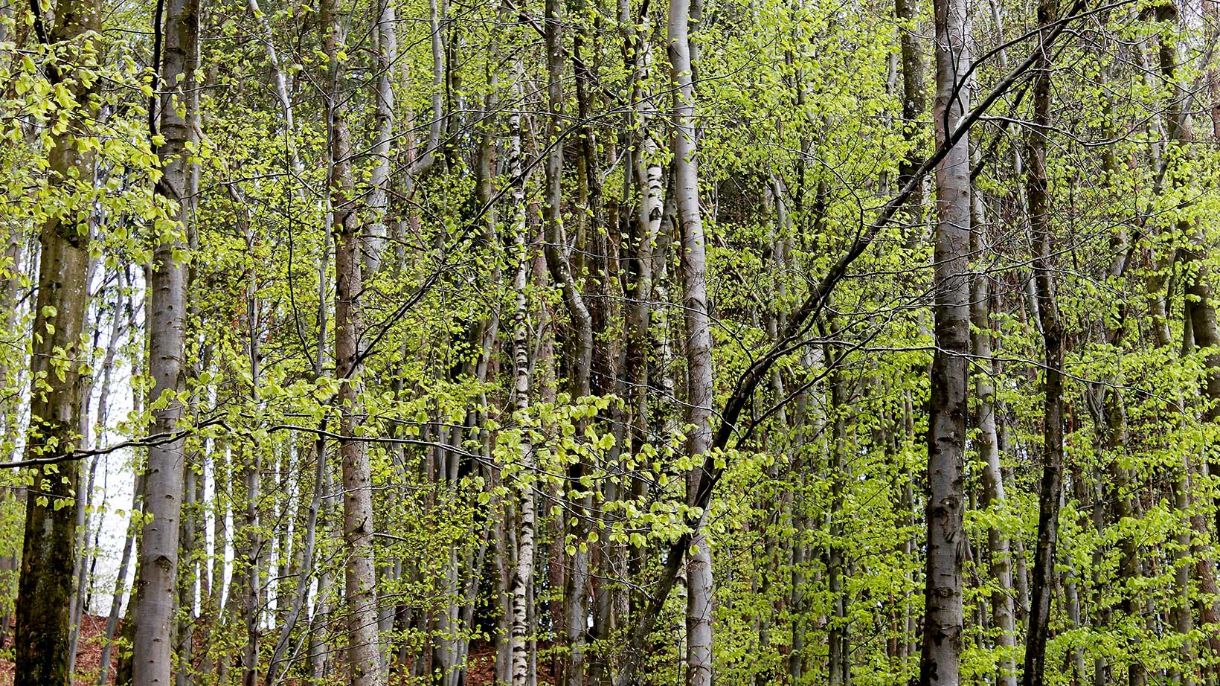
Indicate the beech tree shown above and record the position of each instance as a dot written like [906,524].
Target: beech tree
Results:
[57,360]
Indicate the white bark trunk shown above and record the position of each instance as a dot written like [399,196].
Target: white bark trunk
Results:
[523,573]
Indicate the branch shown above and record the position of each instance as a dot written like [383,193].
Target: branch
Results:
[146,442]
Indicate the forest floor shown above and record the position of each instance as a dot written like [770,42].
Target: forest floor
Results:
[93,628]
[89,654]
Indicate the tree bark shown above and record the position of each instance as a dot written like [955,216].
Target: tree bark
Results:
[387,64]
[559,264]
[48,547]
[1003,614]
[157,570]
[363,655]
[523,571]
[943,621]
[1051,489]
[698,339]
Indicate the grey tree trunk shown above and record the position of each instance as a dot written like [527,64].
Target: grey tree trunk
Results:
[84,500]
[387,66]
[1003,614]
[698,338]
[137,507]
[943,621]
[157,570]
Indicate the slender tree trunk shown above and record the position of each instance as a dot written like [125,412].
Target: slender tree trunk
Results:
[1003,614]
[839,656]
[363,655]
[157,571]
[387,64]
[1051,489]
[10,377]
[123,674]
[913,106]
[698,338]
[943,621]
[437,11]
[84,500]
[559,264]
[319,627]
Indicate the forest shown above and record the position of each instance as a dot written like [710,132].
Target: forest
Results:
[609,342]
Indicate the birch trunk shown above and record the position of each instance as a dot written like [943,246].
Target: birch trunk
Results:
[523,572]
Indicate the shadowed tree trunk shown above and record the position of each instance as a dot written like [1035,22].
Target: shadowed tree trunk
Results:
[1051,488]
[49,544]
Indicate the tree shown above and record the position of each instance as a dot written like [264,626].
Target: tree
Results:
[943,619]
[157,571]
[57,364]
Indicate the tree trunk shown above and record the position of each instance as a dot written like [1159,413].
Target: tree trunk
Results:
[157,570]
[943,621]
[523,572]
[698,339]
[387,63]
[48,547]
[559,264]
[839,656]
[913,106]
[1051,489]
[84,500]
[993,498]
[363,655]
